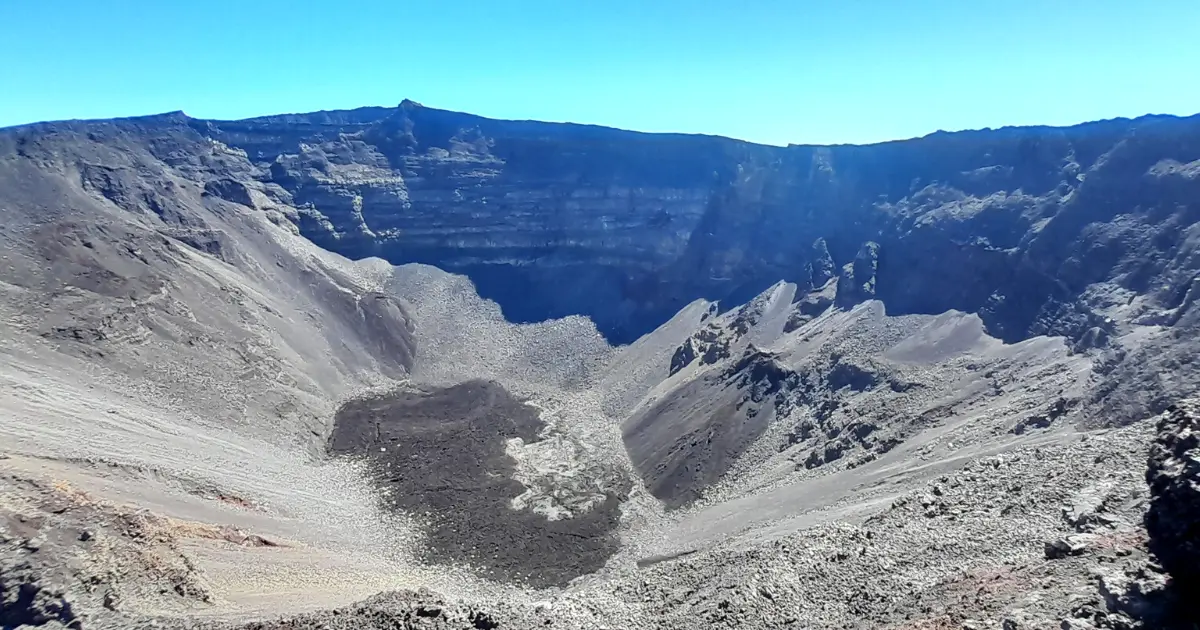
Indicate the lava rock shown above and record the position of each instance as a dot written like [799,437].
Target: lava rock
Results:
[858,278]
[1072,545]
[1173,518]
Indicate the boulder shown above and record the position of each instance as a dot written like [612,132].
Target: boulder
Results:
[1173,518]
[857,282]
[1072,545]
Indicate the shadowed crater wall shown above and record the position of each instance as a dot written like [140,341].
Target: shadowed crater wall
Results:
[442,451]
[1089,232]
[1018,225]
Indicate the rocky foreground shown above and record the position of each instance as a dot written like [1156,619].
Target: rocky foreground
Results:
[1037,538]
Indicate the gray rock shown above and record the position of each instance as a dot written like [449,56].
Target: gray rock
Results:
[1173,518]
[823,268]
[1072,545]
[25,600]
[857,282]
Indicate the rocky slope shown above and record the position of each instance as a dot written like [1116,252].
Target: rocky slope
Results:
[1086,232]
[162,347]
[206,415]
[116,249]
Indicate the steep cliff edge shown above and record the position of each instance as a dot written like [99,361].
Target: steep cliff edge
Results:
[172,350]
[1087,232]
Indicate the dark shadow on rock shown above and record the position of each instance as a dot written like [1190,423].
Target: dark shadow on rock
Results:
[1173,518]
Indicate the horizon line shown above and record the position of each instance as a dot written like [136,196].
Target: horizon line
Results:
[414,103]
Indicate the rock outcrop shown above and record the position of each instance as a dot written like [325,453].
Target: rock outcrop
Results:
[857,282]
[1173,520]
[147,247]
[822,267]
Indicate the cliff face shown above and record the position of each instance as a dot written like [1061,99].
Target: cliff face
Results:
[161,316]
[138,251]
[1089,232]
[548,220]
[1039,230]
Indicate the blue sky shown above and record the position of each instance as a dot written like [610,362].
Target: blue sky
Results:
[773,71]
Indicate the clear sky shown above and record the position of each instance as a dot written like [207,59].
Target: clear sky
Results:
[773,71]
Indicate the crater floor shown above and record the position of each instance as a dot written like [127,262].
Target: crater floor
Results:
[437,454]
